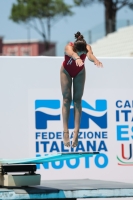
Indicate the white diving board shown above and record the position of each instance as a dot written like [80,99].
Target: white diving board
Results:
[48,158]
[8,166]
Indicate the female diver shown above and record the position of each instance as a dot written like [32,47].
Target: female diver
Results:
[73,71]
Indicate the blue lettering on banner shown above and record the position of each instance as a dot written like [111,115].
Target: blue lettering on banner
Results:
[124,131]
[121,131]
[87,162]
[82,135]
[54,147]
[126,115]
[50,141]
[42,117]
[105,158]
[118,104]
[124,104]
[57,166]
[101,121]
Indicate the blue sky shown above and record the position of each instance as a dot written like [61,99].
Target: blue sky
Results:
[63,31]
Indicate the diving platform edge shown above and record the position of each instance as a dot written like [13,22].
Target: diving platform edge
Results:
[69,189]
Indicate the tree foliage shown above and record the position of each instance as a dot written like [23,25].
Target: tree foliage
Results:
[43,11]
[111,8]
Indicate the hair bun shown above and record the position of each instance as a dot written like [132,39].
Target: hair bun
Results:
[78,36]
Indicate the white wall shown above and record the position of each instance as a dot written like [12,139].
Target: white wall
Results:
[22,76]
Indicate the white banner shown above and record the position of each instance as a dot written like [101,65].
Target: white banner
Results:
[31,118]
[106,126]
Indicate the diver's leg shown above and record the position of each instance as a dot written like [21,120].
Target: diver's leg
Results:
[66,83]
[78,89]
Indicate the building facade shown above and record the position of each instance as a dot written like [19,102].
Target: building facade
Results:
[25,48]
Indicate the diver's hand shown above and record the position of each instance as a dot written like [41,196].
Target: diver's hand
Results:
[98,63]
[79,62]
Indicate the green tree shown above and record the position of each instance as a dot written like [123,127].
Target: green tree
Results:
[39,14]
[111,8]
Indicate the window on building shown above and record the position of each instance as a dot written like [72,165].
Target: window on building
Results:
[12,53]
[26,53]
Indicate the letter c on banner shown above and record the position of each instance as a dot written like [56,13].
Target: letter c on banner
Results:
[118,106]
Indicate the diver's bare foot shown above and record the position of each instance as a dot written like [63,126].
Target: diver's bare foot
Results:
[75,139]
[66,139]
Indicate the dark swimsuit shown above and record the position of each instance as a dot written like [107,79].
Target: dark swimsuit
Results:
[70,65]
